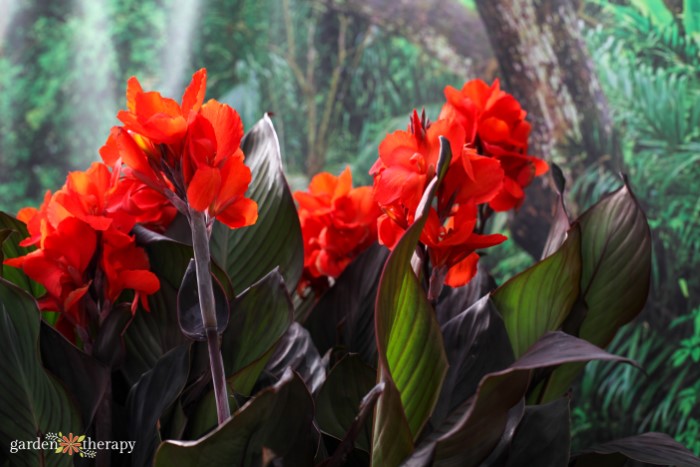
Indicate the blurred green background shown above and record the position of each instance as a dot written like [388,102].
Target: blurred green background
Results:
[338,75]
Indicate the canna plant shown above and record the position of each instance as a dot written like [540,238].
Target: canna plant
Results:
[175,296]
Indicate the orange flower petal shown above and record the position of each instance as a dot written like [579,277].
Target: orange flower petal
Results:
[203,188]
[462,272]
[227,125]
[241,213]
[194,94]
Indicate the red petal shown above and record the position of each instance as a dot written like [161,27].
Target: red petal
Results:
[389,231]
[133,88]
[462,272]
[194,94]
[203,188]
[227,125]
[241,213]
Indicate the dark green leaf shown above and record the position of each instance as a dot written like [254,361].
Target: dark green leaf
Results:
[247,254]
[189,313]
[412,360]
[650,448]
[14,232]
[109,345]
[392,440]
[339,399]
[151,335]
[154,392]
[561,223]
[454,301]
[474,433]
[539,299]
[358,426]
[32,402]
[278,419]
[344,315]
[476,343]
[296,350]
[80,373]
[616,251]
[616,267]
[543,436]
[260,317]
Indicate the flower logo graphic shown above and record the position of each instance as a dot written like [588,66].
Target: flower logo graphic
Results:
[70,444]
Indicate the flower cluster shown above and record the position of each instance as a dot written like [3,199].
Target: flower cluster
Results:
[189,152]
[338,222]
[487,135]
[85,256]
[494,125]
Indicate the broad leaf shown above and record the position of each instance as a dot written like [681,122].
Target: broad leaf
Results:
[412,360]
[189,311]
[296,350]
[32,402]
[476,343]
[13,232]
[616,268]
[81,374]
[543,436]
[344,315]
[358,426]
[479,425]
[151,335]
[260,317]
[616,251]
[561,223]
[539,299]
[247,254]
[650,448]
[338,400]
[454,301]
[278,419]
[154,392]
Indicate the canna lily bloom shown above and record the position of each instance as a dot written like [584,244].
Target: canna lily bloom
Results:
[158,118]
[452,243]
[494,125]
[407,162]
[338,222]
[85,257]
[61,266]
[125,266]
[190,152]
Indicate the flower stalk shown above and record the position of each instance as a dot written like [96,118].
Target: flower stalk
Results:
[200,243]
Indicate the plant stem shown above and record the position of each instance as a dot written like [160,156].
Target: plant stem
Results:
[200,243]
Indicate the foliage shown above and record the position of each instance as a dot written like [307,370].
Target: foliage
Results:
[481,404]
[647,60]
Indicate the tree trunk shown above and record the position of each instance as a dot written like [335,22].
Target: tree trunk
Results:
[545,65]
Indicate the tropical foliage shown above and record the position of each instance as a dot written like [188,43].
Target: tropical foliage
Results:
[192,319]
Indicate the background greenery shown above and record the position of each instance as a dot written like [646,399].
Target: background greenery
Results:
[336,85]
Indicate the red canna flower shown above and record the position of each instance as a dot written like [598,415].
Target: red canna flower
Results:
[189,152]
[61,266]
[494,125]
[452,243]
[125,266]
[407,162]
[85,257]
[338,222]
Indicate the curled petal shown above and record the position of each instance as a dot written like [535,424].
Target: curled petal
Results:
[241,213]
